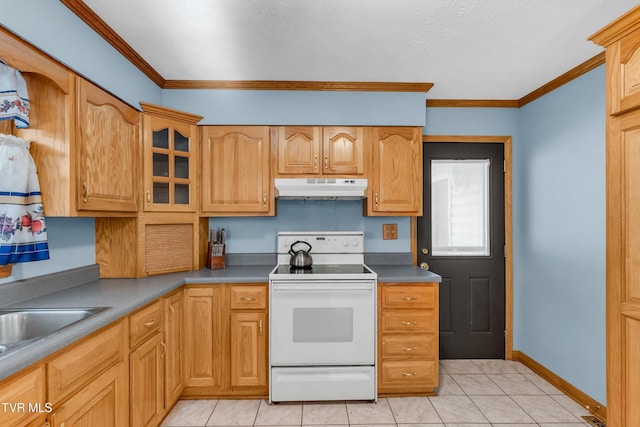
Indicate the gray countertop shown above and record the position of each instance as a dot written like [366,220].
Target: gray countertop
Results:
[124,296]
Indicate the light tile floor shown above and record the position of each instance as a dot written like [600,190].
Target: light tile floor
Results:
[472,393]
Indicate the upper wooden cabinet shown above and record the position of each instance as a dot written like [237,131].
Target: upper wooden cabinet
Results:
[108,148]
[169,144]
[319,150]
[622,42]
[395,172]
[235,171]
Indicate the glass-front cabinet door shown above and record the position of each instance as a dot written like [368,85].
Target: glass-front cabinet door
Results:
[170,159]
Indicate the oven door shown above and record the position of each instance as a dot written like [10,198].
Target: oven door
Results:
[322,322]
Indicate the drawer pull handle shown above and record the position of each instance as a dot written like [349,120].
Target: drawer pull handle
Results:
[173,311]
[150,323]
[405,323]
[85,191]
[376,197]
[409,348]
[264,200]
[410,298]
[409,374]
[260,327]
[247,299]
[164,349]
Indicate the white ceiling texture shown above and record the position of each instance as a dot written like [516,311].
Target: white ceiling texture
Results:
[470,49]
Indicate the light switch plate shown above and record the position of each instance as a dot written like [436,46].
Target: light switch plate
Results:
[389,231]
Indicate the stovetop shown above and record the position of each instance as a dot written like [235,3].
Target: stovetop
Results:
[341,269]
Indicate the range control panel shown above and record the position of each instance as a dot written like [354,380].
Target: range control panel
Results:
[328,242]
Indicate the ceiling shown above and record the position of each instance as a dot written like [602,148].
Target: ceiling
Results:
[469,49]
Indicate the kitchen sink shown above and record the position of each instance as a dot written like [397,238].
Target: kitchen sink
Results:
[19,326]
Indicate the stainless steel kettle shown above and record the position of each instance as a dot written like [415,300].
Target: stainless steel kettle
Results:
[300,258]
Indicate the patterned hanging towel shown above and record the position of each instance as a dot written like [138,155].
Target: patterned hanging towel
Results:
[23,235]
[14,100]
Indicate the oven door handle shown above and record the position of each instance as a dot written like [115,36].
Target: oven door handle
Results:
[318,287]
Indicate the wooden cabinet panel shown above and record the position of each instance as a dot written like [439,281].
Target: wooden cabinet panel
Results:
[108,139]
[248,349]
[204,327]
[26,389]
[236,171]
[395,183]
[146,382]
[174,311]
[170,159]
[320,150]
[103,402]
[343,150]
[408,355]
[72,369]
[298,150]
[144,323]
[248,297]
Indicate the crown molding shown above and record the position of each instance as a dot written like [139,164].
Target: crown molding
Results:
[565,78]
[472,103]
[298,85]
[619,28]
[169,113]
[85,13]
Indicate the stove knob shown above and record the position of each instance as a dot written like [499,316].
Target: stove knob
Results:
[346,243]
[356,243]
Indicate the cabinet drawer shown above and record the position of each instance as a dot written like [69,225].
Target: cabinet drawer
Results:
[409,373]
[145,323]
[69,371]
[248,297]
[409,346]
[401,296]
[28,390]
[409,321]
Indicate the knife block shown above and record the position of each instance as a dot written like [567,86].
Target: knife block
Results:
[216,262]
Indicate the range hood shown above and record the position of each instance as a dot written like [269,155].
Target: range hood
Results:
[320,188]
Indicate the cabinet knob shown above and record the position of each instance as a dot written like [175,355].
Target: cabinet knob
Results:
[376,199]
[424,266]
[424,251]
[148,197]
[260,327]
[264,200]
[326,161]
[315,161]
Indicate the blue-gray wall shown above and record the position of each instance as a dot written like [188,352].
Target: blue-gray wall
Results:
[558,183]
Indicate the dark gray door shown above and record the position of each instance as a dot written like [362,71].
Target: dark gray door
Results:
[462,233]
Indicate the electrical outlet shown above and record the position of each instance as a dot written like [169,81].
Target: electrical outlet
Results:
[389,231]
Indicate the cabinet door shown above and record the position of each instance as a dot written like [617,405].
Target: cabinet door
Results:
[28,390]
[298,150]
[107,139]
[204,328]
[235,170]
[103,402]
[169,165]
[343,150]
[174,339]
[146,386]
[396,171]
[248,349]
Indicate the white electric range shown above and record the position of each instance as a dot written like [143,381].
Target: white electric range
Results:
[322,331]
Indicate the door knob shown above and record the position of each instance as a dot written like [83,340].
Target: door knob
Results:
[424,266]
[425,251]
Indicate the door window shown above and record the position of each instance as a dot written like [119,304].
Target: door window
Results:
[460,207]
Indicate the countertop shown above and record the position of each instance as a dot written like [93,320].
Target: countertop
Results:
[124,296]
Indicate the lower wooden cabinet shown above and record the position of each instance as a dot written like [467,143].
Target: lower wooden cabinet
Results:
[174,311]
[226,340]
[407,338]
[146,382]
[103,402]
[23,399]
